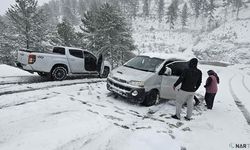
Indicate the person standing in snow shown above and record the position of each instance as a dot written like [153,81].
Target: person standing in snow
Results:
[190,81]
[211,88]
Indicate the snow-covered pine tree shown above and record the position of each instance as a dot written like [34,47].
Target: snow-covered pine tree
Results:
[211,8]
[172,14]
[66,33]
[204,14]
[237,5]
[160,10]
[196,6]
[226,4]
[29,23]
[184,16]
[146,8]
[108,33]
[7,43]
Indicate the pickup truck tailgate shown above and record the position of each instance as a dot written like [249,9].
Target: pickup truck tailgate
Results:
[22,57]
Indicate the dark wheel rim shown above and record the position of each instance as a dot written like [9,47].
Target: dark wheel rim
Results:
[59,73]
[152,98]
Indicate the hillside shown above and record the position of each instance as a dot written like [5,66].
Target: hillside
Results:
[228,42]
[216,39]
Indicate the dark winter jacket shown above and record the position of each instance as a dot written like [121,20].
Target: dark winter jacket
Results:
[191,78]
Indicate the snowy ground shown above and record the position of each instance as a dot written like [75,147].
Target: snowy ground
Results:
[82,114]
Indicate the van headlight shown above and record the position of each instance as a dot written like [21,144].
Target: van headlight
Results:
[137,83]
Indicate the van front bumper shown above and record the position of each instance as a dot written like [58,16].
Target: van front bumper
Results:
[135,94]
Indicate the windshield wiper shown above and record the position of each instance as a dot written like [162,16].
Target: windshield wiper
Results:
[130,66]
[138,68]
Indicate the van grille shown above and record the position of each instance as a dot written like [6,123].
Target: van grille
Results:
[119,86]
[120,80]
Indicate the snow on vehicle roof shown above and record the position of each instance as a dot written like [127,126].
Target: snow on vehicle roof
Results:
[166,56]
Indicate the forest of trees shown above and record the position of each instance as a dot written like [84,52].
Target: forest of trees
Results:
[101,26]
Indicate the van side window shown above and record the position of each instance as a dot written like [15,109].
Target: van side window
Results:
[76,53]
[178,68]
[90,61]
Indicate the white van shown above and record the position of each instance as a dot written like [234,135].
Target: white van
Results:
[147,78]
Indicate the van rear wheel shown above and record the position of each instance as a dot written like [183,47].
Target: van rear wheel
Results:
[151,98]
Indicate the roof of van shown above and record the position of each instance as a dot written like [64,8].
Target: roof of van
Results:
[166,56]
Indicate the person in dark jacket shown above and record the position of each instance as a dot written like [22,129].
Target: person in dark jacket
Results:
[190,81]
[211,88]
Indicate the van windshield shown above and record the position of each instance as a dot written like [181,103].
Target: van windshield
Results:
[144,63]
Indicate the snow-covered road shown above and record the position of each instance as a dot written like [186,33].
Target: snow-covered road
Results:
[82,114]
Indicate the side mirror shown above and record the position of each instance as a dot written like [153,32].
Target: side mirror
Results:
[168,71]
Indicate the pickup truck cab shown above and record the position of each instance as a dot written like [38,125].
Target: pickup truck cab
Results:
[62,62]
[147,78]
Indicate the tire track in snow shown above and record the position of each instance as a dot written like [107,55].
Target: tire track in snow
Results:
[35,79]
[239,104]
[82,142]
[47,87]
[27,102]
[244,83]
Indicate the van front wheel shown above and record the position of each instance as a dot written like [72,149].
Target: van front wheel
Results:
[151,98]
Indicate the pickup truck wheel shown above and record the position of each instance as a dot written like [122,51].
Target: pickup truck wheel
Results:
[59,73]
[151,98]
[105,72]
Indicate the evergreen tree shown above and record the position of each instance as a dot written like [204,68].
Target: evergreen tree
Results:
[184,16]
[7,43]
[108,33]
[160,10]
[211,9]
[29,22]
[172,14]
[204,8]
[66,33]
[196,5]
[146,8]
[226,4]
[237,5]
